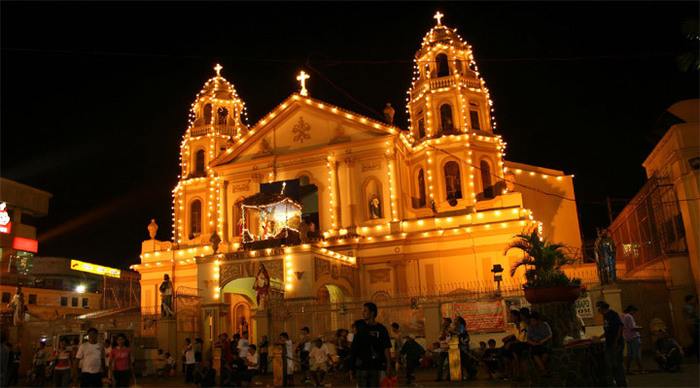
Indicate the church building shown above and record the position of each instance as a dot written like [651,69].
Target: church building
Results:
[316,202]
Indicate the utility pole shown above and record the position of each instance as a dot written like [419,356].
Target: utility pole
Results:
[610,215]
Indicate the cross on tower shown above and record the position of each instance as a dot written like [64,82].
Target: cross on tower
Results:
[438,16]
[218,68]
[302,78]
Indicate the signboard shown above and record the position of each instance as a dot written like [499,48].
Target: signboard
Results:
[25,244]
[481,316]
[583,307]
[5,222]
[94,268]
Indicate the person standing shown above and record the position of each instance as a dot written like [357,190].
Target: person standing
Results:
[17,304]
[468,363]
[398,338]
[39,363]
[264,345]
[633,340]
[444,339]
[63,358]
[378,344]
[287,354]
[303,348]
[90,360]
[614,342]
[225,345]
[414,353]
[198,348]
[121,359]
[188,353]
[693,324]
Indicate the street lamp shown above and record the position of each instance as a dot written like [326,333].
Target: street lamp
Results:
[80,289]
[497,271]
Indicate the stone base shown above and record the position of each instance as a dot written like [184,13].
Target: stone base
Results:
[575,366]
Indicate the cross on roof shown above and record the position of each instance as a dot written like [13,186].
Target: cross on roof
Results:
[218,68]
[302,78]
[438,16]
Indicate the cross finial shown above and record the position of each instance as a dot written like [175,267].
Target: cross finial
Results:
[438,16]
[218,68]
[302,78]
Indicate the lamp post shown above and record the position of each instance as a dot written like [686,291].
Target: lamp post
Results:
[497,271]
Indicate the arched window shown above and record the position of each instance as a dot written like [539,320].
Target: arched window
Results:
[199,163]
[421,188]
[421,128]
[223,115]
[486,179]
[453,183]
[195,218]
[446,124]
[207,114]
[443,68]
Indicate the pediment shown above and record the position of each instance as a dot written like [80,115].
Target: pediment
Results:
[301,124]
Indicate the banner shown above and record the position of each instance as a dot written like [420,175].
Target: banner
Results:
[583,307]
[481,316]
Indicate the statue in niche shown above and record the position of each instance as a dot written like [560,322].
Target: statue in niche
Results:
[262,287]
[389,113]
[375,210]
[166,297]
[152,229]
[605,256]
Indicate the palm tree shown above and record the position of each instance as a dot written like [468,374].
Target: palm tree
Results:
[544,259]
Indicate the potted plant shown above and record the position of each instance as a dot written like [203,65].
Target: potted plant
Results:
[544,279]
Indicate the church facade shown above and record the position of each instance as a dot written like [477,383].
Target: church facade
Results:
[315,201]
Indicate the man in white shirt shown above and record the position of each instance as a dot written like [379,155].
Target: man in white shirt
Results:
[242,345]
[251,361]
[319,361]
[90,359]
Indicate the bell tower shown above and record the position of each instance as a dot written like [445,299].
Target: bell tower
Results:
[214,125]
[447,95]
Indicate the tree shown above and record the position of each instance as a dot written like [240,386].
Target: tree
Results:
[545,260]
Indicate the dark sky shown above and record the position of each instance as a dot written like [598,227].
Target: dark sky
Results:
[95,95]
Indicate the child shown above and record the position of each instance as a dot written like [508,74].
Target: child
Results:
[160,363]
[170,364]
[490,358]
[413,352]
[320,362]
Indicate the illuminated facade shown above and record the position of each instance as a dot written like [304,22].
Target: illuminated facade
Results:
[384,210]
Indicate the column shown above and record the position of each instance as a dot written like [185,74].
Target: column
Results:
[225,216]
[350,189]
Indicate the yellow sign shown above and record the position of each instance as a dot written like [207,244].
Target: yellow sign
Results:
[94,268]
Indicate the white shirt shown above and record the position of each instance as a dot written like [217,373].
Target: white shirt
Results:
[290,354]
[319,355]
[90,356]
[253,359]
[189,355]
[242,348]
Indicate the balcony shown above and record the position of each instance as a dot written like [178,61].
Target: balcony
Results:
[228,130]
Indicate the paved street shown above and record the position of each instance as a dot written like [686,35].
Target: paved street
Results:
[689,376]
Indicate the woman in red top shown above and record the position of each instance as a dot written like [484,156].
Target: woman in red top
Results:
[63,358]
[120,358]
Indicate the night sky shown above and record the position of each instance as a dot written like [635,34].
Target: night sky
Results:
[95,95]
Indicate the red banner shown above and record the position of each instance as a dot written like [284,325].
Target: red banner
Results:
[481,316]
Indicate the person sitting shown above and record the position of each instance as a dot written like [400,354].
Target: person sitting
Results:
[667,352]
[490,358]
[538,336]
[170,364]
[251,361]
[413,353]
[238,369]
[319,361]
[207,376]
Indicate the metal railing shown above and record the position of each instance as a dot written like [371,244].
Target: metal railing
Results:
[229,130]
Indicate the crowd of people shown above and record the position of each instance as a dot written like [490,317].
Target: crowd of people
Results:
[367,353]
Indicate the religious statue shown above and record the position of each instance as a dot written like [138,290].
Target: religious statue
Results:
[374,207]
[152,229]
[243,329]
[17,304]
[389,113]
[605,256]
[215,240]
[264,147]
[166,297]
[262,288]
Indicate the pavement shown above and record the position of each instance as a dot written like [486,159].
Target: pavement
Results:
[688,376]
